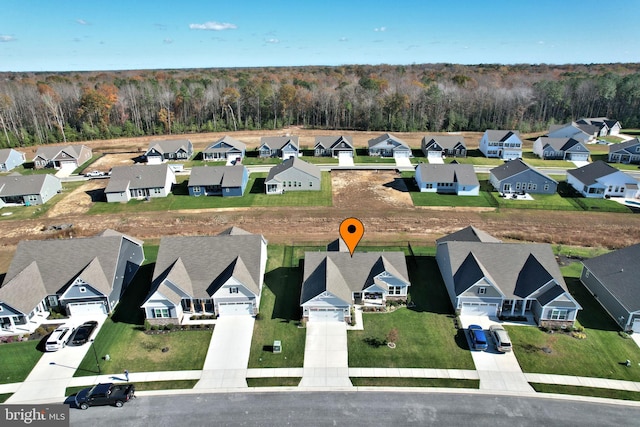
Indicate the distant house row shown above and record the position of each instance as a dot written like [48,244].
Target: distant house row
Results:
[223,275]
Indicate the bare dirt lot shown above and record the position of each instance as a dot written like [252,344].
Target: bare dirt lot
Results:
[379,199]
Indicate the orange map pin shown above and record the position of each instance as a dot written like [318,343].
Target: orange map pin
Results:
[351,231]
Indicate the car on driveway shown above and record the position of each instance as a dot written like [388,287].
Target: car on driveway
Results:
[478,338]
[59,338]
[84,331]
[501,337]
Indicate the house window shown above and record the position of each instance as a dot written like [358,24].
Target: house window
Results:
[233,290]
[557,314]
[161,313]
[482,290]
[394,290]
[546,187]
[157,190]
[310,183]
[196,189]
[517,185]
[82,289]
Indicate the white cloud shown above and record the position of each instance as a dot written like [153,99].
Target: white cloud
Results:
[213,26]
[541,42]
[272,41]
[5,39]
[380,29]
[82,22]
[343,39]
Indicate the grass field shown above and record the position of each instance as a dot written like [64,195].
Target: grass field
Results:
[274,382]
[602,354]
[427,337]
[28,212]
[18,359]
[586,391]
[414,382]
[254,196]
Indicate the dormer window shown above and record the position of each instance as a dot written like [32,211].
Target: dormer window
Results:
[82,289]
[233,290]
[482,290]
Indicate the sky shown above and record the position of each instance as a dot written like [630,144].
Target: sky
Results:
[83,35]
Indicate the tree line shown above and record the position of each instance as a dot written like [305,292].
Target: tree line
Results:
[40,108]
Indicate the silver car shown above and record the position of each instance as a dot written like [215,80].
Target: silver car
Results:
[500,335]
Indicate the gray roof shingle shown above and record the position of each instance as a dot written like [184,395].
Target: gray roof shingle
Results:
[514,167]
[137,176]
[295,163]
[461,173]
[226,176]
[593,171]
[468,234]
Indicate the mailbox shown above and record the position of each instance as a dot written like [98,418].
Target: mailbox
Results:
[277,347]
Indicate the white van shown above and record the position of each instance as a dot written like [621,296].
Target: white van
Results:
[503,343]
[58,338]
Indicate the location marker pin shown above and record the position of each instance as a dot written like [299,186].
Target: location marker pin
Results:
[351,231]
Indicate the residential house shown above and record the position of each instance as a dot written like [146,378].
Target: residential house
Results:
[77,277]
[207,275]
[71,156]
[10,158]
[438,146]
[600,180]
[612,278]
[387,145]
[507,280]
[283,147]
[584,133]
[226,148]
[28,190]
[605,125]
[468,234]
[171,149]
[501,144]
[139,182]
[333,282]
[293,175]
[560,149]
[450,178]
[334,146]
[516,176]
[222,181]
[625,152]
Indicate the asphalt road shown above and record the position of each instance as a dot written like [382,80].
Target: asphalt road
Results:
[380,408]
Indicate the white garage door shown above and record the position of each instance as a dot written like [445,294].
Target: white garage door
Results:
[579,157]
[86,308]
[479,309]
[235,309]
[437,154]
[401,154]
[326,315]
[345,154]
[635,326]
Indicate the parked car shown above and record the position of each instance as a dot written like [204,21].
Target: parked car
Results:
[478,338]
[105,394]
[94,174]
[59,338]
[83,332]
[500,335]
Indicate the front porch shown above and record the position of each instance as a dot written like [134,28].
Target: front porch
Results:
[11,326]
[512,308]
[369,298]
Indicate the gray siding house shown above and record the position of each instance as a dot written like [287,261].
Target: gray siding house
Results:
[139,182]
[387,145]
[81,276]
[437,146]
[222,181]
[579,131]
[171,149]
[207,275]
[447,178]
[506,279]
[334,146]
[560,149]
[283,147]
[226,148]
[625,152]
[612,278]
[28,190]
[57,157]
[10,158]
[516,176]
[333,282]
[605,125]
[293,175]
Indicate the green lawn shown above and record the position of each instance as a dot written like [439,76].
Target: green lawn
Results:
[254,196]
[5,396]
[427,337]
[18,359]
[586,391]
[602,354]
[274,382]
[122,337]
[279,313]
[85,166]
[414,382]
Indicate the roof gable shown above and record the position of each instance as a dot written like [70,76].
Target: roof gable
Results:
[468,234]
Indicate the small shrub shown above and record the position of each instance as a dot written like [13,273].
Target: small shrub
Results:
[147,325]
[624,335]
[154,327]
[392,336]
[579,335]
[578,329]
[375,341]
[169,327]
[258,316]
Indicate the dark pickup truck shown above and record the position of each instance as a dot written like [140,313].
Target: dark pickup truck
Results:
[105,394]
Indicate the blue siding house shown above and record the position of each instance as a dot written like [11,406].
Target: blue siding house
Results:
[516,176]
[225,181]
[10,158]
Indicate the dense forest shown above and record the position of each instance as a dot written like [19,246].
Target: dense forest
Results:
[39,108]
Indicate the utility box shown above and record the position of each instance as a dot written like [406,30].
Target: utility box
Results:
[277,347]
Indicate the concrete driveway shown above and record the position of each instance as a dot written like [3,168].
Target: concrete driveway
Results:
[497,371]
[228,357]
[53,372]
[326,359]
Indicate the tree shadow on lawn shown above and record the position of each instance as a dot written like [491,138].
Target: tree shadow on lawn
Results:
[258,186]
[592,315]
[285,283]
[427,291]
[128,309]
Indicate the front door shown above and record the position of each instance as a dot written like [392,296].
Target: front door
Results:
[506,187]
